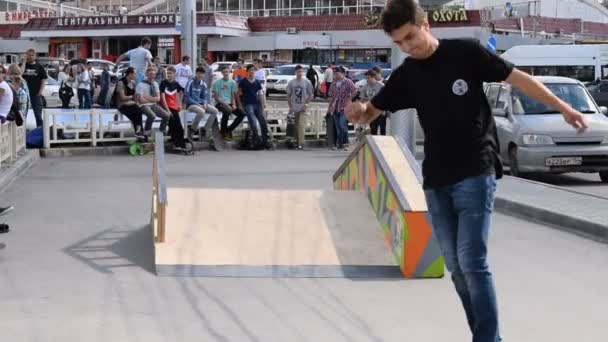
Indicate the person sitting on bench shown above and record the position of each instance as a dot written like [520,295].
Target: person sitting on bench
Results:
[147,95]
[196,101]
[124,95]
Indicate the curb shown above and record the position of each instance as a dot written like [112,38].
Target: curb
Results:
[581,227]
[123,149]
[84,151]
[11,173]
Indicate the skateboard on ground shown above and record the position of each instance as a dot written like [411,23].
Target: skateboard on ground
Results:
[182,151]
[139,148]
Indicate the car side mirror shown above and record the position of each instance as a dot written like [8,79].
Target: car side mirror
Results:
[499,112]
[604,110]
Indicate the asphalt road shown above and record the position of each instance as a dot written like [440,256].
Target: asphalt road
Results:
[78,267]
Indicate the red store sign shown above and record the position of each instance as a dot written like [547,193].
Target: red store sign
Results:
[24,17]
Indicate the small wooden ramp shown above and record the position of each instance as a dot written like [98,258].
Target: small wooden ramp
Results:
[272,233]
[276,233]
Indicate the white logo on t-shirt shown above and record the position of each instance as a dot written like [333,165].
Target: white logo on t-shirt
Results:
[460,87]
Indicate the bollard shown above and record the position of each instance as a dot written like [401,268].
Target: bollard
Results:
[403,126]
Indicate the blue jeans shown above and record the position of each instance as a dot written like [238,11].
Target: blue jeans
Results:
[139,77]
[461,222]
[341,127]
[84,99]
[253,117]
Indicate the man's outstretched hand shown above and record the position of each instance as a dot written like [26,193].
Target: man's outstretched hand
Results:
[577,120]
[355,112]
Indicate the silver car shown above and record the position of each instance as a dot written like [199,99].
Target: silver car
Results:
[535,138]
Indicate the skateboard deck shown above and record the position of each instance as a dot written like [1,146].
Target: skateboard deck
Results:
[330,132]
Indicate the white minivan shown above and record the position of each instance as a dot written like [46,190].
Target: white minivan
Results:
[585,63]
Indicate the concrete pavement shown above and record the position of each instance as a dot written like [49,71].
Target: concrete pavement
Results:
[574,211]
[78,268]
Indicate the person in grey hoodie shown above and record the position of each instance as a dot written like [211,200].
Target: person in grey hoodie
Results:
[367,92]
[197,102]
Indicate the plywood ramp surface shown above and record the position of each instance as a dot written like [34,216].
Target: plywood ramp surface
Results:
[215,232]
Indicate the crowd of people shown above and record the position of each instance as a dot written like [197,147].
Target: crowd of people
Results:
[148,91]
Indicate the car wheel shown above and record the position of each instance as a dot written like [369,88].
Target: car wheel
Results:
[513,163]
[604,176]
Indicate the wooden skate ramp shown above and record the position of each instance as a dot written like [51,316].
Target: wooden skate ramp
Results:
[272,233]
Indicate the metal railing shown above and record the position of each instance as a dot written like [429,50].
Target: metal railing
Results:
[12,142]
[159,190]
[95,126]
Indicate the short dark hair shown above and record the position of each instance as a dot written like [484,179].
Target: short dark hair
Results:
[250,66]
[185,58]
[371,72]
[299,67]
[377,69]
[401,12]
[146,41]
[89,63]
[130,70]
[225,67]
[200,69]
[257,60]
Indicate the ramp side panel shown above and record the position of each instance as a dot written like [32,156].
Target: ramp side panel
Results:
[407,233]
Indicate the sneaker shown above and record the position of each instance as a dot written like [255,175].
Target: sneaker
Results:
[6,210]
[300,147]
[140,135]
[334,148]
[4,228]
[226,136]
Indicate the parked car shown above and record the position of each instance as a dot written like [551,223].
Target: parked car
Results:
[217,66]
[534,138]
[362,80]
[599,92]
[270,71]
[277,83]
[97,68]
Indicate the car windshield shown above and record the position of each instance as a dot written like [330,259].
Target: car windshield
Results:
[288,70]
[573,94]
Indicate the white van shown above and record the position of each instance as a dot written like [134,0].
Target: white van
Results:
[585,63]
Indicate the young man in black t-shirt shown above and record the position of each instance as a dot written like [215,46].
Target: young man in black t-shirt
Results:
[35,75]
[442,80]
[250,93]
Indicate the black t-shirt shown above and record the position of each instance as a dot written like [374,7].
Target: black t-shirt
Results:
[34,75]
[170,89]
[250,91]
[447,91]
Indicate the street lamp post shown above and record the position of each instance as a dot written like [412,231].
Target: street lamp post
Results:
[188,23]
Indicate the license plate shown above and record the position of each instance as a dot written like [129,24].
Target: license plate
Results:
[565,161]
